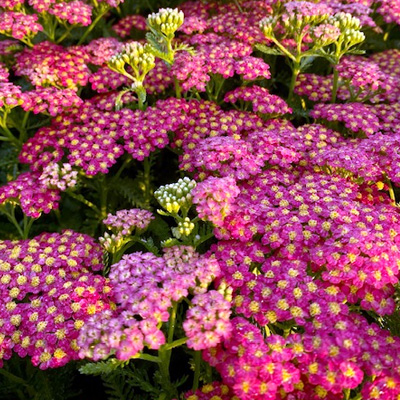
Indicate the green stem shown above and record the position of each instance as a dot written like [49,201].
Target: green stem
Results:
[11,217]
[149,357]
[16,379]
[103,198]
[92,25]
[295,73]
[172,321]
[238,5]
[209,373]
[283,49]
[178,90]
[391,191]
[27,221]
[65,34]
[147,182]
[9,137]
[197,363]
[88,203]
[335,84]
[176,343]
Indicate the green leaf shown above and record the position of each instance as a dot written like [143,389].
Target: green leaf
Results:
[355,51]
[268,50]
[159,229]
[102,367]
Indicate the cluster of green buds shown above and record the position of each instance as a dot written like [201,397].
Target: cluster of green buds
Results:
[267,26]
[162,26]
[176,199]
[296,22]
[176,196]
[111,243]
[350,34]
[331,36]
[141,60]
[184,228]
[166,21]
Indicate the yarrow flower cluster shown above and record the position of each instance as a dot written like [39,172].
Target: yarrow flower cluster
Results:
[54,176]
[207,321]
[125,221]
[214,198]
[145,286]
[262,100]
[50,100]
[49,293]
[31,193]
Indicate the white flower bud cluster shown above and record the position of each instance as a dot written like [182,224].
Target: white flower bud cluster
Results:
[267,26]
[166,21]
[185,227]
[111,242]
[175,196]
[136,55]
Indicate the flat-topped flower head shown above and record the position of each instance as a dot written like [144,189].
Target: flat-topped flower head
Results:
[125,221]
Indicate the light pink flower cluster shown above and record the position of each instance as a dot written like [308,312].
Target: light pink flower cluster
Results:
[214,197]
[216,55]
[145,287]
[10,95]
[228,156]
[124,221]
[49,292]
[390,11]
[19,25]
[41,5]
[50,100]
[207,321]
[54,176]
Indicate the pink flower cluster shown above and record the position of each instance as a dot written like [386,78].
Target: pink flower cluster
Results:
[125,25]
[73,12]
[207,321]
[59,178]
[31,193]
[10,95]
[124,221]
[48,294]
[355,116]
[263,102]
[50,64]
[360,79]
[50,100]
[214,197]
[145,288]
[19,25]
[319,363]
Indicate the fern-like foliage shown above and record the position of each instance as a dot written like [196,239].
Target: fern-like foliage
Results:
[102,367]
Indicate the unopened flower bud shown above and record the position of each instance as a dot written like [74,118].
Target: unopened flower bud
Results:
[174,196]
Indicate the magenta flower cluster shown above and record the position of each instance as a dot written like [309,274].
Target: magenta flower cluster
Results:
[49,293]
